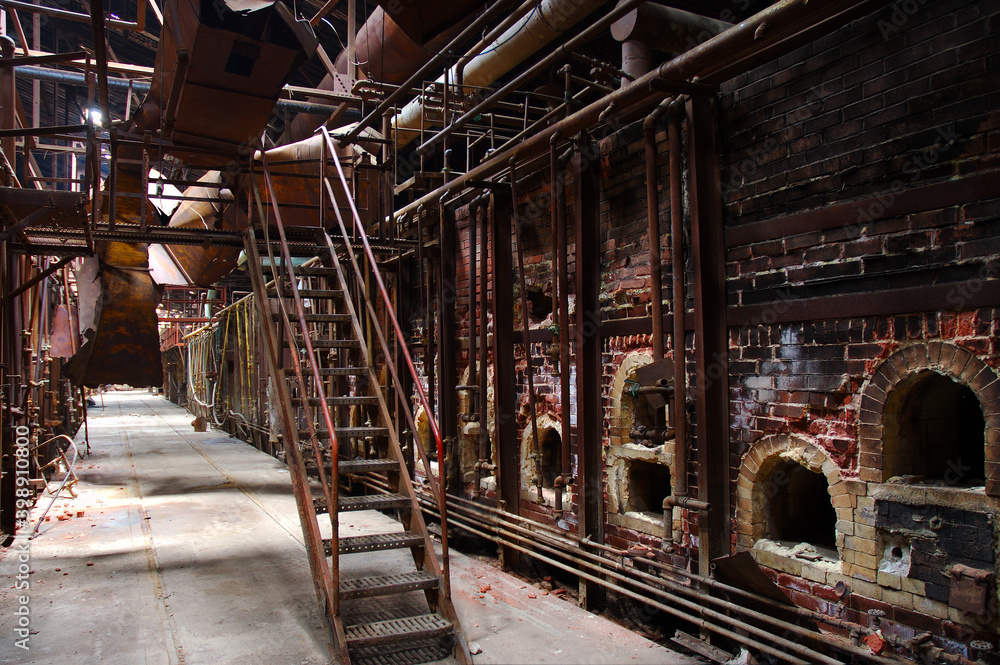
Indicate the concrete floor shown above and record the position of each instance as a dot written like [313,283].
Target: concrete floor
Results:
[188,551]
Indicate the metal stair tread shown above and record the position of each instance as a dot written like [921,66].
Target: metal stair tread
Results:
[397,630]
[332,343]
[347,432]
[373,502]
[308,293]
[343,400]
[330,371]
[316,271]
[315,318]
[363,465]
[385,585]
[379,541]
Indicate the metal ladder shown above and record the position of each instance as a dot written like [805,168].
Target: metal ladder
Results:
[326,352]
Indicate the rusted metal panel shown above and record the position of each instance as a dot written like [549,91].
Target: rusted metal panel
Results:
[296,178]
[123,343]
[65,209]
[62,334]
[971,589]
[219,74]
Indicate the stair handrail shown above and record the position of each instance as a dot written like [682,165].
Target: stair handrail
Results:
[359,229]
[331,487]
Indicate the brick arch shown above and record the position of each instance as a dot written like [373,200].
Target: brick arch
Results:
[618,429]
[756,469]
[944,358]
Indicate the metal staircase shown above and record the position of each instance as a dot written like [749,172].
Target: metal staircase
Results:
[343,412]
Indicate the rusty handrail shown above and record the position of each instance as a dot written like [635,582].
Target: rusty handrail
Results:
[431,420]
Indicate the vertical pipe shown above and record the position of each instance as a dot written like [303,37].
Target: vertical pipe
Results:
[522,289]
[566,472]
[473,397]
[484,432]
[352,31]
[679,473]
[653,214]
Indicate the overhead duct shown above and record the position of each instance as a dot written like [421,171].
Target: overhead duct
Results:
[389,51]
[220,67]
[541,26]
[656,27]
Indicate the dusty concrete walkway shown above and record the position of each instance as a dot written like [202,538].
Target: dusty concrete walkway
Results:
[189,552]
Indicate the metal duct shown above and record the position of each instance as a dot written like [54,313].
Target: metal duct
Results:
[538,28]
[389,53]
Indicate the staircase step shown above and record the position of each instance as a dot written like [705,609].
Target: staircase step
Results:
[333,343]
[365,465]
[367,587]
[397,630]
[316,318]
[373,502]
[379,541]
[331,371]
[309,293]
[347,433]
[349,400]
[315,271]
[359,432]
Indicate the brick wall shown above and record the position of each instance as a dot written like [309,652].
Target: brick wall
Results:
[896,101]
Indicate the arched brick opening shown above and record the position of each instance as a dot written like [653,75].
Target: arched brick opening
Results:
[549,447]
[621,411]
[468,441]
[916,381]
[769,474]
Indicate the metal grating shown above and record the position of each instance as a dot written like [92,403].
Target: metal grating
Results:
[363,465]
[397,630]
[418,651]
[373,502]
[379,541]
[349,400]
[366,587]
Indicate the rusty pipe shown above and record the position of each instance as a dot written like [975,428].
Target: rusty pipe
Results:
[389,102]
[536,69]
[679,472]
[637,59]
[529,371]
[473,395]
[484,433]
[667,590]
[559,201]
[653,214]
[515,16]
[783,19]
[570,547]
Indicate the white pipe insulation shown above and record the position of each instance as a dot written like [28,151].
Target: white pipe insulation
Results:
[539,27]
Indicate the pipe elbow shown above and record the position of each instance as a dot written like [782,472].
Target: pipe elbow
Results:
[649,124]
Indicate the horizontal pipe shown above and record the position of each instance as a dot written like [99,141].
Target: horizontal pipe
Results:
[536,69]
[142,87]
[573,542]
[62,13]
[672,611]
[726,47]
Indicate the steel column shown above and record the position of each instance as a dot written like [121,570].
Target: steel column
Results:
[448,410]
[505,402]
[589,411]
[711,342]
